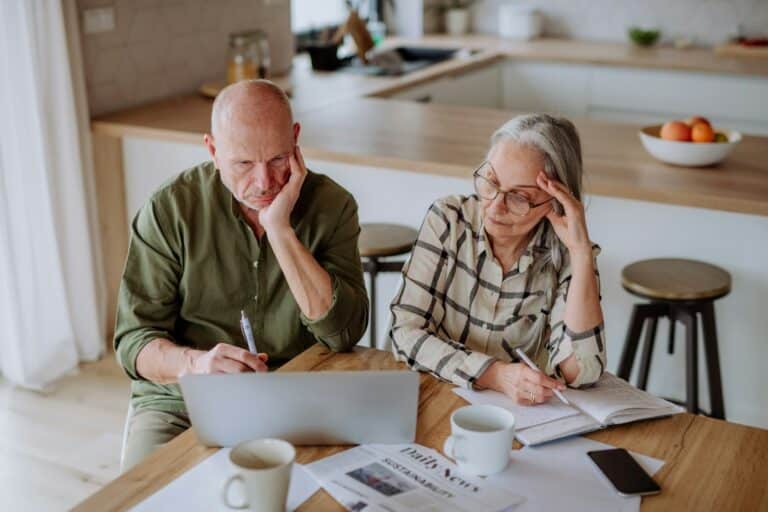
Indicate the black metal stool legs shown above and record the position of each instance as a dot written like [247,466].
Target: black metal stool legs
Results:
[640,313]
[373,267]
[687,313]
[631,341]
[713,361]
[688,318]
[645,362]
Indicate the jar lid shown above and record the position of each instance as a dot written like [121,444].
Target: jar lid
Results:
[246,37]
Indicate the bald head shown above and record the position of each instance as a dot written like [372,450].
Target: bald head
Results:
[251,103]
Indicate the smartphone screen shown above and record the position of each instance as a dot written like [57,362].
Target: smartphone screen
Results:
[626,475]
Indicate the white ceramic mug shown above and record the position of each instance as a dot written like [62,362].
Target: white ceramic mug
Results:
[263,468]
[481,439]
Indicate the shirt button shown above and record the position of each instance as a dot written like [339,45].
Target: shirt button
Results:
[255,297]
[255,264]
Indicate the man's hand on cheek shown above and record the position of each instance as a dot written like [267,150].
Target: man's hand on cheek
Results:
[277,215]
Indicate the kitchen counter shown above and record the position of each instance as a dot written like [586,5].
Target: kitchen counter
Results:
[342,122]
[185,118]
[452,141]
[601,53]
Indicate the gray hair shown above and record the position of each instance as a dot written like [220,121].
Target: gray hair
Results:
[558,141]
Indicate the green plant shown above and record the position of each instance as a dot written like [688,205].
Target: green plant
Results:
[643,37]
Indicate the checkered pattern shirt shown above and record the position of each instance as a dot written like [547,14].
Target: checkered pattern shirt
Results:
[456,311]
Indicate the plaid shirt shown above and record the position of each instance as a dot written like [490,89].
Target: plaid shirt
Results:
[456,311]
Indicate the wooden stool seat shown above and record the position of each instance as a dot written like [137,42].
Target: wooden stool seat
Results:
[381,240]
[683,291]
[676,279]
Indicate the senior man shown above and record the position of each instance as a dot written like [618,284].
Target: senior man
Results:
[251,230]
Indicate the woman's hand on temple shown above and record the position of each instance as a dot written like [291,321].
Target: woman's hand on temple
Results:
[571,227]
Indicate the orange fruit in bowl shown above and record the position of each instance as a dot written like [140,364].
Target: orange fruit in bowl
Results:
[676,130]
[697,119]
[702,132]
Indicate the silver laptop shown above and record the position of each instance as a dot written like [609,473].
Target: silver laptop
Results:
[304,408]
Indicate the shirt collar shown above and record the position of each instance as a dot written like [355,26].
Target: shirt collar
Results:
[535,248]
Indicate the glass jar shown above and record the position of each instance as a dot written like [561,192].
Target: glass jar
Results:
[248,56]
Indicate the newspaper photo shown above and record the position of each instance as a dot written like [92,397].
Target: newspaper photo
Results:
[405,477]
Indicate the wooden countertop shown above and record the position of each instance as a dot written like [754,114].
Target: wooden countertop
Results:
[343,120]
[450,141]
[593,52]
[709,464]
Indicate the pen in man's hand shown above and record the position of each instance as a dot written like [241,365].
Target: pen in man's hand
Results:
[533,367]
[245,326]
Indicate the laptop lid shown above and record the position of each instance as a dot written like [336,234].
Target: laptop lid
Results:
[304,408]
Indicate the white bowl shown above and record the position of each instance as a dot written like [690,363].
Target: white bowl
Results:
[689,154]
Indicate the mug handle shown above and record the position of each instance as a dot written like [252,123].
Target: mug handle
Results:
[225,493]
[449,448]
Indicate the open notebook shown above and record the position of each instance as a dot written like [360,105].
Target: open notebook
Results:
[611,401]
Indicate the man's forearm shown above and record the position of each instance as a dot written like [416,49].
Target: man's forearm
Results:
[162,361]
[308,281]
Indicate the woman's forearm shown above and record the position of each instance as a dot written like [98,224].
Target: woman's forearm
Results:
[582,305]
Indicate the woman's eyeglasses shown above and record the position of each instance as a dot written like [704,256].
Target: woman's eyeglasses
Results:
[488,190]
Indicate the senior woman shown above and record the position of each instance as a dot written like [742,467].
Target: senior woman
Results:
[509,267]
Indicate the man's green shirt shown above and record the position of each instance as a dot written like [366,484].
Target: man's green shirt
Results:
[193,263]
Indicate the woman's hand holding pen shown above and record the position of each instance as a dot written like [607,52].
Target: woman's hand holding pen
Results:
[522,384]
[225,358]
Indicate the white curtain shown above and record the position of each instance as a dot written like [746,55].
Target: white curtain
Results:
[51,284]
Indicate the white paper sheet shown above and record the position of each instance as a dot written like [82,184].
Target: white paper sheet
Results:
[199,489]
[525,415]
[560,476]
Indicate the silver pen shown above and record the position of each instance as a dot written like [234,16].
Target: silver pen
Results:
[533,367]
[245,326]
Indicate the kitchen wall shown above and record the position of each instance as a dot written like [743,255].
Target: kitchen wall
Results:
[707,21]
[164,47]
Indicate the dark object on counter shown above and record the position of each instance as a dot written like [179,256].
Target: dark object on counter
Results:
[752,41]
[643,37]
[324,56]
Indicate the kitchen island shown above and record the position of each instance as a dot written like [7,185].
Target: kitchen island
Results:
[397,157]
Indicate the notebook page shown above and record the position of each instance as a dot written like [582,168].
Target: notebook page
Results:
[613,397]
[525,415]
[579,424]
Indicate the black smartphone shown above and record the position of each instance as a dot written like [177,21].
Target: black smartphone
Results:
[623,471]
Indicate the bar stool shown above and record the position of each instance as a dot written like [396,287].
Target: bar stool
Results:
[680,290]
[381,241]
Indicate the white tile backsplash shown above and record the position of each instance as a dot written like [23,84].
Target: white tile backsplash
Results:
[708,22]
[164,47]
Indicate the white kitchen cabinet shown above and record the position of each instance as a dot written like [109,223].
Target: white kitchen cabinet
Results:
[637,95]
[616,94]
[561,89]
[476,88]
[632,95]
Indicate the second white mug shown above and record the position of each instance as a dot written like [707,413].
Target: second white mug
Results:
[263,468]
[481,439]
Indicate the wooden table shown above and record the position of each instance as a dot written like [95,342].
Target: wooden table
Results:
[710,464]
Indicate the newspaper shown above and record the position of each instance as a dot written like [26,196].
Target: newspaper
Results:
[412,477]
